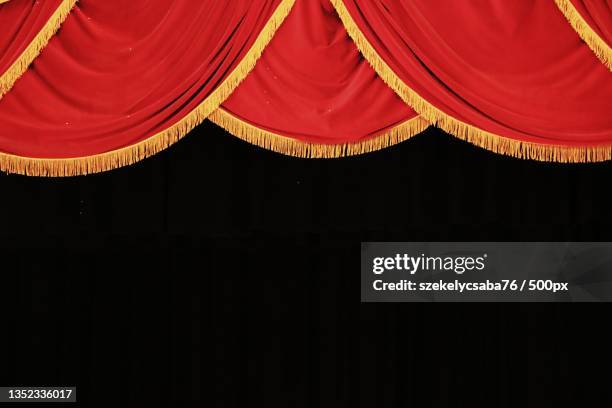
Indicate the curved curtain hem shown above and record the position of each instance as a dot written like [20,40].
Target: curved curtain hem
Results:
[479,137]
[38,43]
[297,148]
[599,47]
[76,166]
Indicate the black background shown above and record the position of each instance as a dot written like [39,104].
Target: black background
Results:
[221,274]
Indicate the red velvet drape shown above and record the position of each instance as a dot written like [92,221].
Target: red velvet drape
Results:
[592,20]
[313,95]
[25,28]
[124,79]
[511,76]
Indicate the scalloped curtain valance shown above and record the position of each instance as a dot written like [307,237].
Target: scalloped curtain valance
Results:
[90,86]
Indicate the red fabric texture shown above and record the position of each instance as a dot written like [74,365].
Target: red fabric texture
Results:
[598,15]
[311,84]
[20,22]
[512,68]
[121,71]
[119,74]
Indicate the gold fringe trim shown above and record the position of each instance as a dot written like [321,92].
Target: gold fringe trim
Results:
[462,130]
[156,143]
[296,148]
[601,49]
[4,1]
[21,64]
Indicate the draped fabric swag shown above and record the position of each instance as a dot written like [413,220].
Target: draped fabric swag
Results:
[124,79]
[312,95]
[510,76]
[118,81]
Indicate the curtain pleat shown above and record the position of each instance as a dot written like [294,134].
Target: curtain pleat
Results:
[26,26]
[592,20]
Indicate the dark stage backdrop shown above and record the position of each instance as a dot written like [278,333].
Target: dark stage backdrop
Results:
[219,274]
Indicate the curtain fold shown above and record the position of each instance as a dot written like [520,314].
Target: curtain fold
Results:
[26,26]
[509,76]
[125,79]
[313,95]
[592,20]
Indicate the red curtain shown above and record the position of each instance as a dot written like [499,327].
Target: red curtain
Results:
[592,20]
[510,76]
[124,79]
[313,95]
[26,27]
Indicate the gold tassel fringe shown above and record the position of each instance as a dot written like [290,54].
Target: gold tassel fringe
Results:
[296,148]
[21,64]
[601,49]
[156,143]
[462,130]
